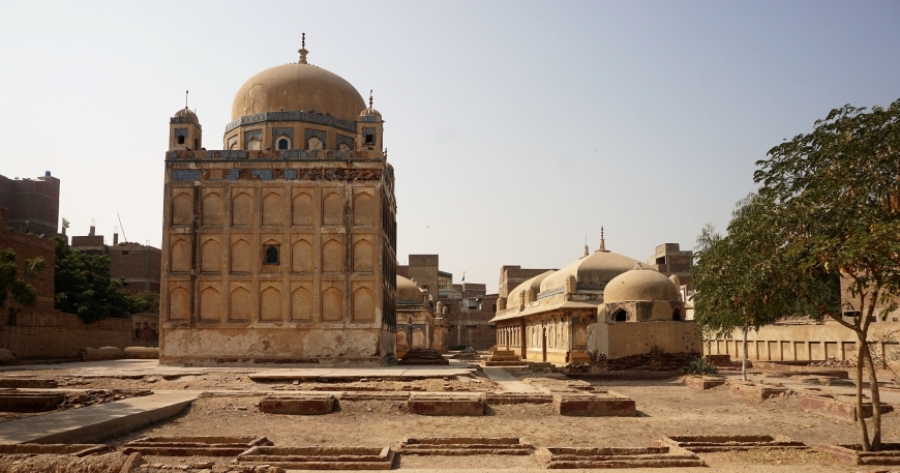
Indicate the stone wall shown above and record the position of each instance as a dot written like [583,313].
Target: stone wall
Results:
[51,334]
[472,327]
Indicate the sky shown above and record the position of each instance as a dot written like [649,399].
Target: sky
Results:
[516,128]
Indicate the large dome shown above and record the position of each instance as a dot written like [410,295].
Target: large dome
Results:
[640,284]
[407,289]
[295,87]
[592,271]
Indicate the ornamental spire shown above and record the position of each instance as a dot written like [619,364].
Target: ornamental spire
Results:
[602,241]
[370,98]
[303,52]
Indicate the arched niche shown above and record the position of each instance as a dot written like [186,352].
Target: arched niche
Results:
[363,209]
[363,305]
[333,209]
[210,256]
[212,209]
[240,304]
[182,211]
[401,341]
[271,209]
[418,338]
[180,255]
[270,304]
[179,304]
[332,304]
[240,256]
[579,336]
[301,257]
[301,305]
[241,210]
[332,257]
[302,212]
[363,256]
[210,308]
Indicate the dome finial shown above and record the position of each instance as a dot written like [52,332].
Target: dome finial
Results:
[303,52]
[586,249]
[186,99]
[602,241]
[370,98]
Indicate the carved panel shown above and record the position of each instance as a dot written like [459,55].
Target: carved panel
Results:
[333,209]
[363,305]
[332,256]
[579,337]
[332,304]
[270,304]
[301,257]
[363,209]
[271,209]
[182,211]
[418,338]
[240,304]
[211,256]
[180,255]
[240,256]
[401,339]
[302,212]
[179,303]
[241,210]
[210,305]
[212,209]
[301,304]
[363,256]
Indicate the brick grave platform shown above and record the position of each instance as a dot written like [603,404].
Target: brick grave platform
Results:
[305,404]
[614,457]
[30,401]
[704,382]
[842,406]
[423,356]
[74,449]
[27,383]
[853,454]
[456,404]
[465,446]
[503,398]
[597,404]
[727,443]
[191,446]
[499,357]
[756,392]
[319,458]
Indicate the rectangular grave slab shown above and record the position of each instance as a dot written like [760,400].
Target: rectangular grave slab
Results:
[456,404]
[305,405]
[852,454]
[608,404]
[839,407]
[190,446]
[726,443]
[19,401]
[705,382]
[319,458]
[507,398]
[27,383]
[74,449]
[465,446]
[614,457]
[756,392]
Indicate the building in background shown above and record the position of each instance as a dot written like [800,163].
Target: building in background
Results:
[138,266]
[33,204]
[670,260]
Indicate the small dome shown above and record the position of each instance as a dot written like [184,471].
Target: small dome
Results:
[188,114]
[370,112]
[640,284]
[406,289]
[534,284]
[594,270]
[295,87]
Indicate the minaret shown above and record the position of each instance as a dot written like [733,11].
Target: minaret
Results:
[369,128]
[184,129]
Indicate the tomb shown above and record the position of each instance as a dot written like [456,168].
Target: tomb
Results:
[704,382]
[614,457]
[608,404]
[456,404]
[27,383]
[319,458]
[23,401]
[74,449]
[853,454]
[756,392]
[306,404]
[727,443]
[191,446]
[841,406]
[465,446]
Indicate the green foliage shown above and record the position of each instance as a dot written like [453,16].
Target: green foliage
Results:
[84,286]
[145,302]
[701,367]
[10,284]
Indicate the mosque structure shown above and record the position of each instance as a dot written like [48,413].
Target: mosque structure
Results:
[603,305]
[281,247]
[420,321]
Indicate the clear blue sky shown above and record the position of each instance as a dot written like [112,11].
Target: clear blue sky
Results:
[516,129]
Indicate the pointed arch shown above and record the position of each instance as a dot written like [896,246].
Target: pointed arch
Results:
[333,209]
[302,212]
[301,257]
[240,304]
[179,304]
[210,256]
[363,256]
[182,211]
[271,209]
[212,209]
[210,308]
[241,209]
[363,305]
[270,304]
[332,257]
[332,304]
[180,256]
[301,304]
[363,209]
[240,256]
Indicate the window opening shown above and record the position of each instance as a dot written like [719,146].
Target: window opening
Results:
[370,139]
[271,255]
[283,143]
[181,140]
[621,316]
[676,316]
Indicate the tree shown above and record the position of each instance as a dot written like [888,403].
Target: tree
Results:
[730,276]
[10,284]
[84,286]
[832,210]
[145,302]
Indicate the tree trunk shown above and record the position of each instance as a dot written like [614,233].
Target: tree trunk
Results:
[744,361]
[860,359]
[876,401]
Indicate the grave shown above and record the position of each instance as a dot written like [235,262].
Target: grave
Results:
[499,357]
[456,404]
[756,392]
[614,457]
[465,446]
[191,446]
[840,406]
[423,356]
[853,454]
[319,458]
[608,404]
[25,401]
[74,449]
[305,404]
[506,398]
[27,383]
[727,443]
[704,382]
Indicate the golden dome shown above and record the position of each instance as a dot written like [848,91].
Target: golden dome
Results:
[640,284]
[407,289]
[295,87]
[592,271]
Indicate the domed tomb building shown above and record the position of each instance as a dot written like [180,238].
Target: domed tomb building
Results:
[281,246]
[604,303]
[420,322]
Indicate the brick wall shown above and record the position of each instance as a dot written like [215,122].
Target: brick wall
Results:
[51,334]
[29,247]
[35,201]
[512,276]
[137,264]
[472,327]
